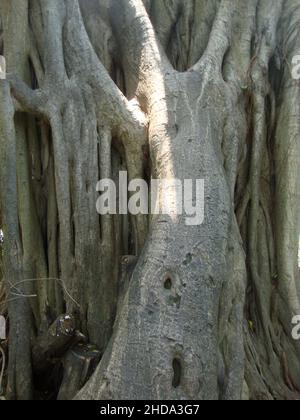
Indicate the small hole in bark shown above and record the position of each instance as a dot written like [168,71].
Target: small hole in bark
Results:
[177,369]
[168,284]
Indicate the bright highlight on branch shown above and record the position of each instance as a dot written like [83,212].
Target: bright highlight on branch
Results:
[2,68]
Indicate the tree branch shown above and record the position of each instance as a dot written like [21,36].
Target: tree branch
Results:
[144,56]
[30,101]
[84,65]
[53,18]
[220,37]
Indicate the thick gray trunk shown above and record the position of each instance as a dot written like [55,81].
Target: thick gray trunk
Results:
[169,337]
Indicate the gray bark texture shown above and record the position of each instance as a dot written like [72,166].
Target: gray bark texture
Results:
[168,89]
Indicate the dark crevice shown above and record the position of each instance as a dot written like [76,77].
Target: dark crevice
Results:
[224,64]
[34,80]
[168,284]
[177,370]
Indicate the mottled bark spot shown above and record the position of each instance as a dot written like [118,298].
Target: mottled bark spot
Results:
[188,259]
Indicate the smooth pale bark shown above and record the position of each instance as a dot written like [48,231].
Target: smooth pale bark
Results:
[204,90]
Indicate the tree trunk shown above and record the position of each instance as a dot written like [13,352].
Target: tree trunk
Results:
[202,91]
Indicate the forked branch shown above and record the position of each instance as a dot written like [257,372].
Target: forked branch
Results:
[220,37]
[144,55]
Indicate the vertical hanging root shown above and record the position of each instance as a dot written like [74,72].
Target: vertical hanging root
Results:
[3,363]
